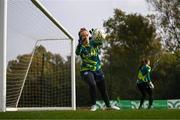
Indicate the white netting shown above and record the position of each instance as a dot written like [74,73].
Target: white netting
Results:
[48,80]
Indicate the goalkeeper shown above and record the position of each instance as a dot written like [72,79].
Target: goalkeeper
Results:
[144,83]
[91,67]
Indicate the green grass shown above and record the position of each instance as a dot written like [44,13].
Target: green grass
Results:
[101,114]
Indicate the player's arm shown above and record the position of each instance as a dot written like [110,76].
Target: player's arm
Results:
[79,47]
[151,85]
[148,69]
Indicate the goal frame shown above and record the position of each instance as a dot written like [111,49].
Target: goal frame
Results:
[3,38]
[3,66]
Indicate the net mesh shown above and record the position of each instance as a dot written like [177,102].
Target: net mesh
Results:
[47,81]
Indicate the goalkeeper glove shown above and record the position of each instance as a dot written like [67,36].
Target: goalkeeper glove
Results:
[151,85]
[91,33]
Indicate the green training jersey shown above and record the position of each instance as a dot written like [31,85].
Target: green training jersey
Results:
[90,55]
[144,74]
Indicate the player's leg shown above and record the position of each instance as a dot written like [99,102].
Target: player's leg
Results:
[100,81]
[141,87]
[102,88]
[149,92]
[88,77]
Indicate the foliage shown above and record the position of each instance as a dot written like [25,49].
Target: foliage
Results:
[167,21]
[49,74]
[130,38]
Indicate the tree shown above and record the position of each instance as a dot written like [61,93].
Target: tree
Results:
[167,21]
[48,76]
[129,39]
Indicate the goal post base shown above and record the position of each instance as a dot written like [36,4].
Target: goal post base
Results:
[39,108]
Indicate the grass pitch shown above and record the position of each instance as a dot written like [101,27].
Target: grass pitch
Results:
[100,114]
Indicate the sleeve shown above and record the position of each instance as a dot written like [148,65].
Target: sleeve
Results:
[79,49]
[148,74]
[148,77]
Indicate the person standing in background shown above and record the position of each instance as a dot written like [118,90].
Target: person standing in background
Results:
[144,82]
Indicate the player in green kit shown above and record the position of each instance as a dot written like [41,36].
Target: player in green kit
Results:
[91,71]
[144,82]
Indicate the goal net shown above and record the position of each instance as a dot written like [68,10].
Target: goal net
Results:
[40,59]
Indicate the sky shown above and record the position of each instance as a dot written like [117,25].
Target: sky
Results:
[26,25]
[74,14]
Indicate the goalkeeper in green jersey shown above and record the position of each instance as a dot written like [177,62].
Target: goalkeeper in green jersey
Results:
[91,68]
[144,83]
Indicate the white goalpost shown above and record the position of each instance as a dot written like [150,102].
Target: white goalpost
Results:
[3,37]
[38,62]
